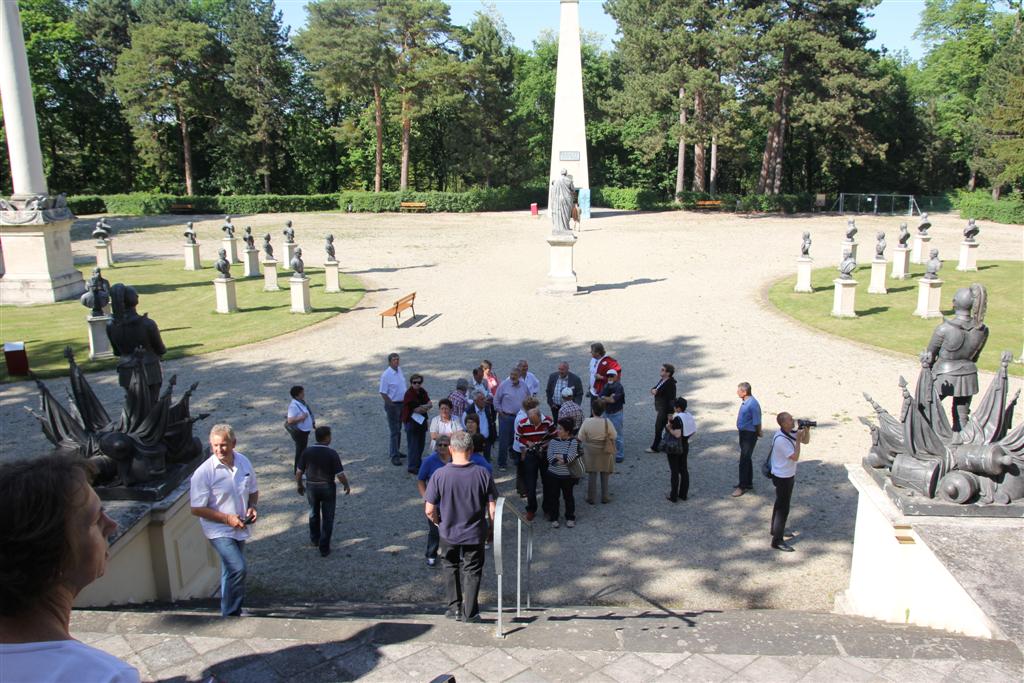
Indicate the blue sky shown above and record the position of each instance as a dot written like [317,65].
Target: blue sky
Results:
[894,21]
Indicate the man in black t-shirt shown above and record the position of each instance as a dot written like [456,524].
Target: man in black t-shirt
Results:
[321,464]
[458,498]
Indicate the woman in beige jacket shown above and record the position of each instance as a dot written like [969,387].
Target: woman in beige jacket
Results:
[597,434]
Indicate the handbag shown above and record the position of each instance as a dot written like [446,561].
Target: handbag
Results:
[577,468]
[670,445]
[766,466]
[609,443]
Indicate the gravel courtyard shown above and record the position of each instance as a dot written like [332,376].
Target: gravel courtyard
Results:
[683,288]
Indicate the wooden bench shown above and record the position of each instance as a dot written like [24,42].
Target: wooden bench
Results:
[709,204]
[182,208]
[413,206]
[405,302]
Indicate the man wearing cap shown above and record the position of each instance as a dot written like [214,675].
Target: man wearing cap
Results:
[459,398]
[557,382]
[600,363]
[570,409]
[614,398]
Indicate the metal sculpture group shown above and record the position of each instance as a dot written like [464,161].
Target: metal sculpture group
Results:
[977,457]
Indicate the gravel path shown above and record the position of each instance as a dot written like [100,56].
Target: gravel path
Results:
[684,288]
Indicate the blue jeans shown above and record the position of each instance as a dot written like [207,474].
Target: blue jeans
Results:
[616,420]
[748,440]
[393,411]
[322,499]
[232,575]
[506,432]
[415,437]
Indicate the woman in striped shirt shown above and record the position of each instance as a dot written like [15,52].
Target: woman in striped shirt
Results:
[562,450]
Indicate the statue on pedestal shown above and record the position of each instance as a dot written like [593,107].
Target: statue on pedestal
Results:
[268,250]
[102,231]
[880,246]
[190,234]
[128,331]
[250,241]
[955,345]
[805,246]
[851,229]
[561,203]
[289,233]
[228,227]
[847,266]
[971,231]
[222,265]
[904,235]
[329,248]
[97,295]
[923,225]
[933,266]
[298,267]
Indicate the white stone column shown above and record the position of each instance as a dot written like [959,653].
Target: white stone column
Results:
[968,256]
[102,255]
[843,298]
[561,276]
[850,245]
[252,263]
[110,250]
[901,263]
[332,279]
[26,155]
[99,343]
[920,252]
[569,131]
[803,274]
[300,294]
[877,284]
[227,302]
[270,276]
[929,297]
[230,245]
[192,261]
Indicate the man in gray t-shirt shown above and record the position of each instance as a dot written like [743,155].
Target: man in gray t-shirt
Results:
[459,498]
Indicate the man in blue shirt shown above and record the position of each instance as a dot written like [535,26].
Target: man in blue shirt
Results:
[432,463]
[748,422]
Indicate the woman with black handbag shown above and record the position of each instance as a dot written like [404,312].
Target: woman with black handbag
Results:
[563,450]
[676,444]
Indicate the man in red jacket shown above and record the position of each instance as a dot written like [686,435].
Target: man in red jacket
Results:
[600,364]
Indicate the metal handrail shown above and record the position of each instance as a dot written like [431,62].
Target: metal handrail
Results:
[499,512]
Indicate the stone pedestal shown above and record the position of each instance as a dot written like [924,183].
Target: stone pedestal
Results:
[561,276]
[919,254]
[99,343]
[333,282]
[848,245]
[968,256]
[877,284]
[226,299]
[929,297]
[102,255]
[289,252]
[803,274]
[270,276]
[110,250]
[901,263]
[160,554]
[843,298]
[300,294]
[230,245]
[192,261]
[38,266]
[252,263]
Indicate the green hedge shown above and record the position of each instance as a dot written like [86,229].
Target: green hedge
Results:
[631,199]
[980,206]
[87,203]
[476,200]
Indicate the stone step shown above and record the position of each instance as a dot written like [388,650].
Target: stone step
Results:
[345,641]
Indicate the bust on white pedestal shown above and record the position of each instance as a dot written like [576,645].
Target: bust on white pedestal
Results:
[252,263]
[99,342]
[929,297]
[803,274]
[901,263]
[968,256]
[230,245]
[331,277]
[921,244]
[227,302]
[102,255]
[270,276]
[192,261]
[300,294]
[843,298]
[877,284]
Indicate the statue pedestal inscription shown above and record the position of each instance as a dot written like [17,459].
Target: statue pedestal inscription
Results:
[102,255]
[901,263]
[99,343]
[968,256]
[270,276]
[877,285]
[289,251]
[225,290]
[300,294]
[929,296]
[252,263]
[230,245]
[192,261]
[561,276]
[848,245]
[843,298]
[919,254]
[803,274]
[333,283]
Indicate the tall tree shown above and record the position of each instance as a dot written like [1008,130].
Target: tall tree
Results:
[1001,113]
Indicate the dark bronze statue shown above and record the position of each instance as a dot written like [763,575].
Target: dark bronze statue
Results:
[268,249]
[190,233]
[298,267]
[98,293]
[223,266]
[923,225]
[102,231]
[933,266]
[805,246]
[329,248]
[971,231]
[289,233]
[847,266]
[955,346]
[250,241]
[851,229]
[128,332]
[880,246]
[228,227]
[904,236]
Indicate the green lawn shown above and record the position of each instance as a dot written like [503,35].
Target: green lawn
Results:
[886,320]
[182,303]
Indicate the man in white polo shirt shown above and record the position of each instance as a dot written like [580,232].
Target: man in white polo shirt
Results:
[392,390]
[223,496]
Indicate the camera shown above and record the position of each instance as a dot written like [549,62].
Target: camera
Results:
[248,520]
[800,424]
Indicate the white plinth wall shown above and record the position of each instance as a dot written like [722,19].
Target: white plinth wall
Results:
[224,287]
[843,298]
[929,298]
[102,255]
[99,343]
[894,575]
[803,274]
[901,263]
[561,275]
[968,256]
[919,252]
[332,280]
[192,261]
[300,294]
[289,253]
[877,284]
[251,263]
[270,276]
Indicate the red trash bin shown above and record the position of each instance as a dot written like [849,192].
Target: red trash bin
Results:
[16,358]
[533,209]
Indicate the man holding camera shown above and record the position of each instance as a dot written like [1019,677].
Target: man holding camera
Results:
[784,455]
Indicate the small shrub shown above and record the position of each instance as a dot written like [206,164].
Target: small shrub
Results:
[980,206]
[139,203]
[86,203]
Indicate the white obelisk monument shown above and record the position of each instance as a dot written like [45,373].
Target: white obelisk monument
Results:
[568,147]
[34,227]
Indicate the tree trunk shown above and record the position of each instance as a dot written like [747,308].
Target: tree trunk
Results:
[771,160]
[186,147]
[997,191]
[266,166]
[403,179]
[681,158]
[713,183]
[378,106]
[698,147]
[973,181]
[780,144]
[768,156]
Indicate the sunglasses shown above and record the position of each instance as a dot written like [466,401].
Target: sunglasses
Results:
[417,381]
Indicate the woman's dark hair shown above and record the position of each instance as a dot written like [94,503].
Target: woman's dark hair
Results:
[415,376]
[680,403]
[295,391]
[670,369]
[597,407]
[472,417]
[568,424]
[36,497]
[479,442]
[444,402]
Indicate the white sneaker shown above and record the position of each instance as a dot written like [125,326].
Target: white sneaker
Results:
[554,524]
[570,523]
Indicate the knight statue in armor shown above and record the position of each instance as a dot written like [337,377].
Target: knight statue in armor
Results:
[955,345]
[130,332]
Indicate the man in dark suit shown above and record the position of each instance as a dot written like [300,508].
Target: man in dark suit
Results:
[558,381]
[664,393]
[488,426]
